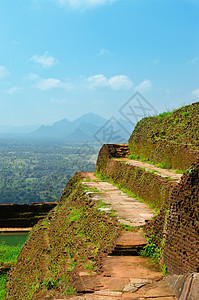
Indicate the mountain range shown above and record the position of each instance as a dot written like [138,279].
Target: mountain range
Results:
[89,127]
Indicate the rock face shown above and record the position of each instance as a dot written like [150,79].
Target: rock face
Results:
[176,227]
[185,286]
[181,251]
[70,240]
[168,138]
[23,215]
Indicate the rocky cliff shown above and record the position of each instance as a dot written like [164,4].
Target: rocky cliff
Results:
[171,138]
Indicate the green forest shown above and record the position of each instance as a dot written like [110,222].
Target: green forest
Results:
[37,171]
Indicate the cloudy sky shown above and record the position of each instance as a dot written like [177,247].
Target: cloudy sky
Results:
[63,58]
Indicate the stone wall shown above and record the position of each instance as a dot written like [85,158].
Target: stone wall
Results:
[181,251]
[108,151]
[152,188]
[23,215]
[176,228]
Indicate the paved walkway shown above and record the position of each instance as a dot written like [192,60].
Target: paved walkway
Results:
[125,277]
[129,210]
[148,167]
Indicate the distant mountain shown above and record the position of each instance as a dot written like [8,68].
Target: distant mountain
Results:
[87,128]
[17,129]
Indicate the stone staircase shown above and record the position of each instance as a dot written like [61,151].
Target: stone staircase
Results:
[125,274]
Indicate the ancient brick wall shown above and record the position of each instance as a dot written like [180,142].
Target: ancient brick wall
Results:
[176,228]
[106,152]
[23,215]
[181,251]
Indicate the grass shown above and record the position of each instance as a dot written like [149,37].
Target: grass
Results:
[159,165]
[2,285]
[165,113]
[91,189]
[8,254]
[125,227]
[152,251]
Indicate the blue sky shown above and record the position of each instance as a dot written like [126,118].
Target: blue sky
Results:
[63,58]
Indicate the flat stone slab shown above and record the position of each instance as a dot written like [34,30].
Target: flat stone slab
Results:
[135,284]
[129,267]
[128,209]
[108,293]
[161,289]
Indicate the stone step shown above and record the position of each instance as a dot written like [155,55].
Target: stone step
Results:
[129,243]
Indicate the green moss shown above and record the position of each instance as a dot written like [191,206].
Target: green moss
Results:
[60,243]
[167,138]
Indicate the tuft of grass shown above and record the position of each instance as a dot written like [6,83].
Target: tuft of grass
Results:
[74,215]
[167,113]
[87,179]
[2,285]
[179,171]
[162,165]
[9,253]
[101,203]
[92,189]
[125,227]
[133,156]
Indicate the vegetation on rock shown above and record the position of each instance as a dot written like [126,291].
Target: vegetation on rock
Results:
[168,137]
[73,237]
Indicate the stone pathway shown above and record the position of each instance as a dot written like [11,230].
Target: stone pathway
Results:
[129,210]
[148,167]
[125,277]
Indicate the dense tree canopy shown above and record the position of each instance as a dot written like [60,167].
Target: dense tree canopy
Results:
[38,171]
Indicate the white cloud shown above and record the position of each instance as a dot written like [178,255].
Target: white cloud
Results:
[50,83]
[104,52]
[14,90]
[3,72]
[193,60]
[83,4]
[116,82]
[44,60]
[120,82]
[47,84]
[98,81]
[196,93]
[144,85]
